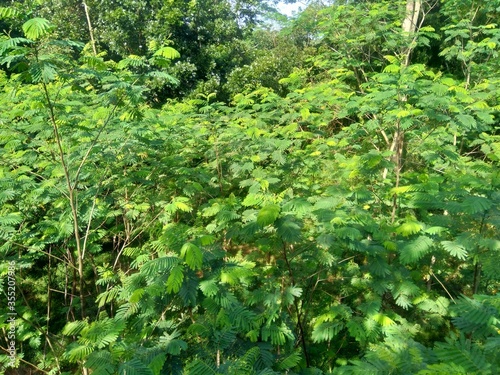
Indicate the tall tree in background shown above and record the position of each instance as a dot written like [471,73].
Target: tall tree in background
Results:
[209,34]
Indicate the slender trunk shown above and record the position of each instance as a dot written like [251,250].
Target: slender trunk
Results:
[71,196]
[49,296]
[73,294]
[412,13]
[91,31]
[478,266]
[477,277]
[398,141]
[74,211]
[298,310]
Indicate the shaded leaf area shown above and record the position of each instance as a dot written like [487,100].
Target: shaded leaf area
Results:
[347,224]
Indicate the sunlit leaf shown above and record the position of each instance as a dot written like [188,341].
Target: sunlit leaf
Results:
[36,28]
[168,53]
[175,279]
[455,249]
[268,215]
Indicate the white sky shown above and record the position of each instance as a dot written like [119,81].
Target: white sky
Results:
[289,9]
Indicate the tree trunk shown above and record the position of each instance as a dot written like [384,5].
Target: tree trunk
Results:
[91,31]
[412,12]
[398,141]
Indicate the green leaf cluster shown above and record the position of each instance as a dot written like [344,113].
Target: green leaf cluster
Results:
[343,220]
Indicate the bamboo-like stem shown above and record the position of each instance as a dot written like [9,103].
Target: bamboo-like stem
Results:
[440,283]
[91,31]
[299,311]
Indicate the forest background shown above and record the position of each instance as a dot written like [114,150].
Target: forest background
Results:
[208,187]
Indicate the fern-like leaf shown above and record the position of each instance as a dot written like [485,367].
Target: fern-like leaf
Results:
[131,61]
[74,328]
[268,215]
[36,28]
[173,345]
[475,317]
[243,318]
[416,249]
[11,43]
[463,353]
[276,334]
[290,361]
[192,255]
[373,367]
[455,249]
[168,53]
[409,227]
[473,205]
[159,265]
[78,352]
[175,279]
[199,367]
[443,369]
[6,12]
[11,219]
[209,287]
[43,72]
[101,363]
[326,331]
[102,332]
[288,229]
[134,367]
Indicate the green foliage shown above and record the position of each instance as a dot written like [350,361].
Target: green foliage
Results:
[36,28]
[268,214]
[343,219]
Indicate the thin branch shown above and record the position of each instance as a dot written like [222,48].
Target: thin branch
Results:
[129,241]
[26,362]
[46,253]
[91,31]
[63,193]
[346,259]
[446,290]
[92,144]
[299,311]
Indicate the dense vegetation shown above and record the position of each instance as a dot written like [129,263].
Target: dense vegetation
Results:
[194,192]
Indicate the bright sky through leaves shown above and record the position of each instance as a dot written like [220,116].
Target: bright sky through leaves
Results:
[290,9]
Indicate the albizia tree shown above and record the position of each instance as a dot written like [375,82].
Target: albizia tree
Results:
[349,226]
